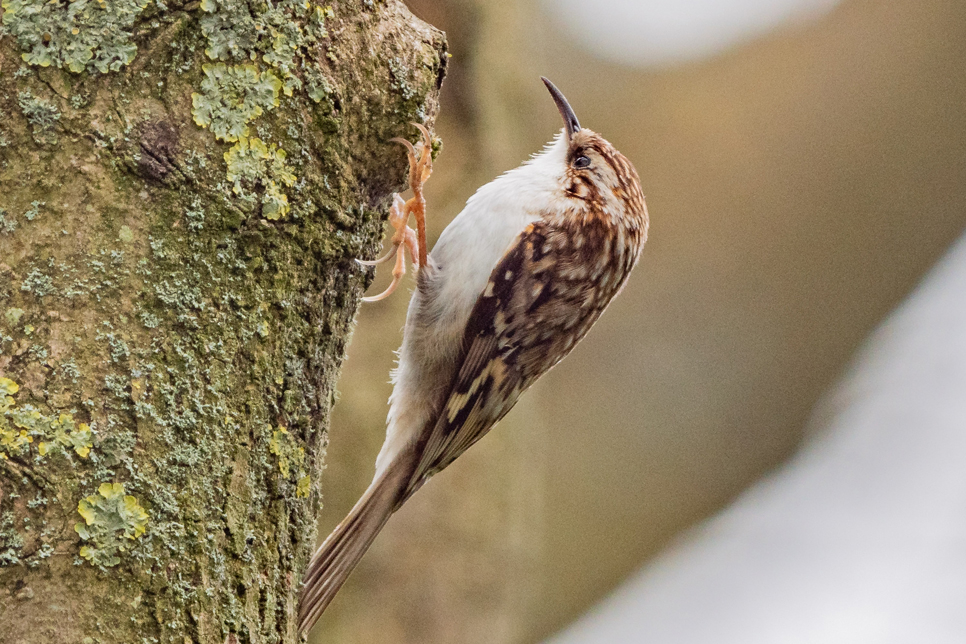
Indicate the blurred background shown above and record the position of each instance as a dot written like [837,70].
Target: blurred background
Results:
[804,163]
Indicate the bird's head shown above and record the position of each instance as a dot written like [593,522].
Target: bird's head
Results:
[595,173]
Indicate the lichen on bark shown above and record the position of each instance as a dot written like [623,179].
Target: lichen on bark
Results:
[186,304]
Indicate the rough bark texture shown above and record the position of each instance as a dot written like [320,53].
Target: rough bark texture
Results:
[182,191]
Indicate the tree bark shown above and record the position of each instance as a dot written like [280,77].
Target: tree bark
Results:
[183,189]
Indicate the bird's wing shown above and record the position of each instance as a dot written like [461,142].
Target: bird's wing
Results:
[539,301]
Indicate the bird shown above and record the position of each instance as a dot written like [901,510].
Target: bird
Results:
[511,286]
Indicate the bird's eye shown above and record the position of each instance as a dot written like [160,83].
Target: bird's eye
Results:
[581,162]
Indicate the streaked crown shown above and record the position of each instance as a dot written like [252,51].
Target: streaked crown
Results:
[597,180]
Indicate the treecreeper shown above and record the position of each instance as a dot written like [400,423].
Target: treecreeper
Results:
[512,285]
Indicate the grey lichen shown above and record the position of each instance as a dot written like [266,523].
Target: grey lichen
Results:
[92,35]
[38,283]
[11,541]
[195,216]
[42,116]
[8,223]
[33,211]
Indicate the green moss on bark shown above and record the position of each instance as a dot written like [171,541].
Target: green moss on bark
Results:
[190,314]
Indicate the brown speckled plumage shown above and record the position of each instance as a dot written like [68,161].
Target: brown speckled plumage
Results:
[541,299]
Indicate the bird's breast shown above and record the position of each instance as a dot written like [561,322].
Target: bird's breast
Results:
[466,253]
[447,290]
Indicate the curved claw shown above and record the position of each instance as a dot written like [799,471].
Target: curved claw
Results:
[381,260]
[427,137]
[409,147]
[420,167]
[425,165]
[383,295]
[397,273]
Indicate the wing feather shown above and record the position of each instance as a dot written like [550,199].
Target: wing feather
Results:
[546,291]
[489,380]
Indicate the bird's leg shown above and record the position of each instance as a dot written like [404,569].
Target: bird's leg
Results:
[404,236]
[418,175]
[420,167]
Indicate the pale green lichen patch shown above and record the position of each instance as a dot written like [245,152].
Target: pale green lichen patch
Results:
[275,32]
[13,316]
[258,172]
[65,434]
[112,521]
[291,460]
[231,97]
[287,451]
[42,116]
[77,35]
[279,35]
[319,88]
[21,425]
[13,438]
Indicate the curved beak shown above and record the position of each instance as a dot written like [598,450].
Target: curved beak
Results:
[571,124]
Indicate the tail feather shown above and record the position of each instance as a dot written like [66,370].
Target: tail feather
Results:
[341,551]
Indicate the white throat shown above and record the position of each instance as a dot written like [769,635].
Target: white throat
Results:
[474,242]
[466,254]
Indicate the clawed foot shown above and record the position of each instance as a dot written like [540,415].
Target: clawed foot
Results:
[420,167]
[404,236]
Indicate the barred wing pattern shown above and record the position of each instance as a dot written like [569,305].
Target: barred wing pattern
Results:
[542,298]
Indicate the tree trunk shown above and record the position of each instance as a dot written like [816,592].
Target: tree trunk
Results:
[183,189]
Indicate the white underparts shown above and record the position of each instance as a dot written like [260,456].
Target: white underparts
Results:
[463,258]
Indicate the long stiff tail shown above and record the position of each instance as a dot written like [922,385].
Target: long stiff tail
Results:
[341,551]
